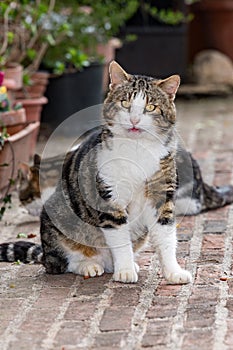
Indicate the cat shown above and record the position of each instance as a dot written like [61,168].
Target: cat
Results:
[193,195]
[117,190]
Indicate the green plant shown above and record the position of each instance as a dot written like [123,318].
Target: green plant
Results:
[169,16]
[170,13]
[91,23]
[28,28]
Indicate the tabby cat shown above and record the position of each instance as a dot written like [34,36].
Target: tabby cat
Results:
[193,195]
[118,188]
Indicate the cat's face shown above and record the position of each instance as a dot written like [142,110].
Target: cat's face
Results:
[139,106]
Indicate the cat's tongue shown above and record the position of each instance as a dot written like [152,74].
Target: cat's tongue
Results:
[134,130]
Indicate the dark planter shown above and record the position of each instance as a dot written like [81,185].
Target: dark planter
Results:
[72,92]
[159,51]
[212,27]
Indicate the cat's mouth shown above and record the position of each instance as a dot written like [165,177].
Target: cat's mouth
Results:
[135,130]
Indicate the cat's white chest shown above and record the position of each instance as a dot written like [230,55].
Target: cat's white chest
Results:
[127,165]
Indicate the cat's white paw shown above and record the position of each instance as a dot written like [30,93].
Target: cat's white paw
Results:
[137,268]
[126,275]
[91,269]
[179,277]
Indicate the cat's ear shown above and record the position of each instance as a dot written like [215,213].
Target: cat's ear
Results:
[24,171]
[170,85]
[117,74]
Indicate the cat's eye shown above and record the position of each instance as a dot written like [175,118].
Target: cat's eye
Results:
[153,108]
[150,107]
[125,104]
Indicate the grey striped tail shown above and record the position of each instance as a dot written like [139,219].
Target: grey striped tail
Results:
[23,251]
[217,197]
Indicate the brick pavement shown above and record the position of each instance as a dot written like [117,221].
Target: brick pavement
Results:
[66,312]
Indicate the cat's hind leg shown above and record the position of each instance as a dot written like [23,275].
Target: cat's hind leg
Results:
[80,264]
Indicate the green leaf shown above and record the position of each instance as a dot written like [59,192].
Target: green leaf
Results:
[21,235]
[50,39]
[10,37]
[59,67]
[31,54]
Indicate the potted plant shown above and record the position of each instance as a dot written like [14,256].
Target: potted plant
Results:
[159,48]
[28,28]
[16,138]
[77,64]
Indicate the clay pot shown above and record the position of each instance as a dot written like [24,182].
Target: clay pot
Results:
[13,120]
[15,72]
[33,107]
[212,27]
[108,52]
[37,89]
[17,148]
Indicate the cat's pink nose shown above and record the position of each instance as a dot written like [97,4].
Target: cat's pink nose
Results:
[134,121]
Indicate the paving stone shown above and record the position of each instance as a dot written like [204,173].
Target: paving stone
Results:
[214,226]
[116,318]
[109,339]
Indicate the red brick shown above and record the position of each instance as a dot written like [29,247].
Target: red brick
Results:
[208,274]
[229,335]
[230,285]
[125,296]
[215,226]
[165,289]
[156,333]
[163,307]
[211,294]
[9,308]
[71,333]
[81,310]
[200,315]
[186,222]
[65,280]
[198,339]
[213,242]
[152,340]
[158,326]
[116,318]
[93,286]
[229,306]
[221,213]
[109,339]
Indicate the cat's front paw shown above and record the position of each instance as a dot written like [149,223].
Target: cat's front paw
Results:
[179,277]
[126,275]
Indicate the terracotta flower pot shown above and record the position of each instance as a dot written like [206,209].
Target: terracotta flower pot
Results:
[33,107]
[212,27]
[15,72]
[108,52]
[36,89]
[13,120]
[17,148]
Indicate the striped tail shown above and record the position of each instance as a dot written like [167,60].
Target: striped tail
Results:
[22,251]
[217,197]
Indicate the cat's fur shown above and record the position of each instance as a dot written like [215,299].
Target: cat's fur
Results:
[117,190]
[193,195]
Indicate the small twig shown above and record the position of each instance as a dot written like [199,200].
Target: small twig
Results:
[35,65]
[32,42]
[5,31]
